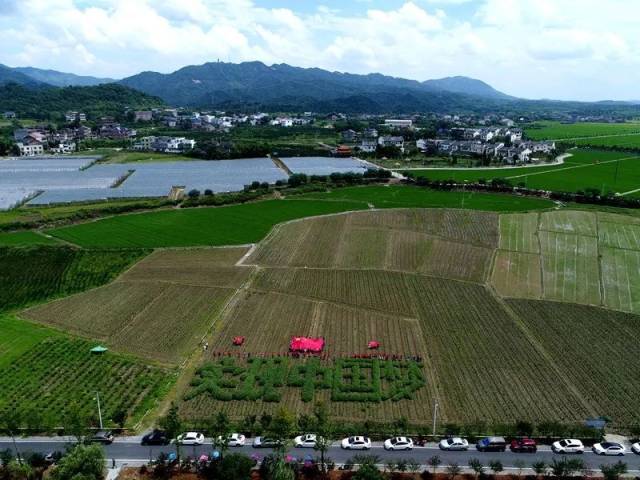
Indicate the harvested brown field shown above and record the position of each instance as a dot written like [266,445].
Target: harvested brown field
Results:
[268,320]
[596,348]
[205,267]
[160,309]
[485,364]
[450,244]
[371,289]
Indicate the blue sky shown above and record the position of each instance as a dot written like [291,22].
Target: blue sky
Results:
[567,49]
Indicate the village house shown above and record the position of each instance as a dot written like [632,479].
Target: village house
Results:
[75,116]
[143,116]
[349,136]
[9,115]
[172,144]
[368,145]
[67,146]
[392,141]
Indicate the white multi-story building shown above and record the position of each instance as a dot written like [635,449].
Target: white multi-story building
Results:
[30,148]
[398,123]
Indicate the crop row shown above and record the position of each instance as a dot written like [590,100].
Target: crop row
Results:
[59,378]
[350,380]
[37,273]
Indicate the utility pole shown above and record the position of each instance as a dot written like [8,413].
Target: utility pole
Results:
[15,446]
[99,410]
[435,417]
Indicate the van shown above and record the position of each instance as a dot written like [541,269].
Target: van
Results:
[492,444]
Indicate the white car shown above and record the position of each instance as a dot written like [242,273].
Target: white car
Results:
[635,448]
[235,440]
[356,443]
[609,448]
[306,441]
[398,443]
[567,445]
[190,438]
[454,443]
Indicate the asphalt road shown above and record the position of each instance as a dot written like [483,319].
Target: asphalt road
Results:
[129,450]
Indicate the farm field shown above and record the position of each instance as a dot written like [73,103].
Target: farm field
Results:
[449,243]
[604,170]
[451,295]
[25,238]
[438,314]
[160,309]
[18,337]
[585,257]
[578,345]
[517,274]
[38,273]
[52,384]
[548,130]
[232,225]
[394,196]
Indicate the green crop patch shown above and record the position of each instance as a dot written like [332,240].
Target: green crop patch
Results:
[548,130]
[349,380]
[606,171]
[35,274]
[232,225]
[57,379]
[394,196]
[25,238]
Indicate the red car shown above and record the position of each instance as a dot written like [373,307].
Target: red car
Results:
[524,445]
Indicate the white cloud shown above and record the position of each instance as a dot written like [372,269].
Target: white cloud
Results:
[534,48]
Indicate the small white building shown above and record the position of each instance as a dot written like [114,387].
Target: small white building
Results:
[64,147]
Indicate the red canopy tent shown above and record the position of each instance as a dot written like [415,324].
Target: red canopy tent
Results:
[237,341]
[373,345]
[306,344]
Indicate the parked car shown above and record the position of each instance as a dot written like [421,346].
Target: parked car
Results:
[52,458]
[609,448]
[398,443]
[190,438]
[305,441]
[157,437]
[567,445]
[454,443]
[356,443]
[524,445]
[492,444]
[103,436]
[236,440]
[266,442]
[635,448]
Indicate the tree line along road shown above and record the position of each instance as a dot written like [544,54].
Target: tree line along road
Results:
[129,450]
